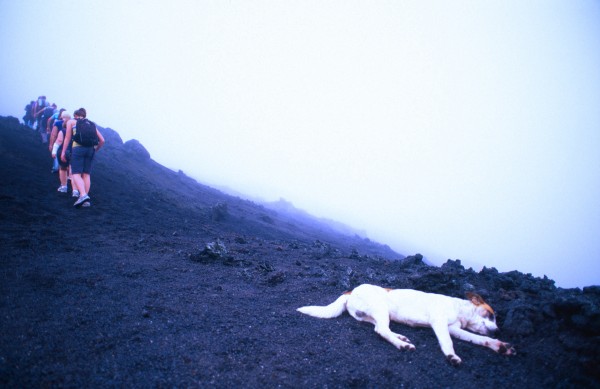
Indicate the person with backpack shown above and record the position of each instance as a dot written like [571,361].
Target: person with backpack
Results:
[28,119]
[43,124]
[86,141]
[39,107]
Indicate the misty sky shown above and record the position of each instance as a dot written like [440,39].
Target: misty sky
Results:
[457,129]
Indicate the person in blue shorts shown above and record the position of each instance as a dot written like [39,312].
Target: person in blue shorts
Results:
[81,159]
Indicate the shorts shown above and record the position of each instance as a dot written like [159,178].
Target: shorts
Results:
[62,164]
[81,159]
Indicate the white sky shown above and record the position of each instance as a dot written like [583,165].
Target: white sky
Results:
[457,129]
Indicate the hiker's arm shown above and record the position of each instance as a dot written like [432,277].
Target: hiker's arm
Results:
[49,124]
[53,136]
[67,140]
[60,138]
[59,141]
[100,140]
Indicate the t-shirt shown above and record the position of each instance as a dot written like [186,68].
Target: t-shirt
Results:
[59,124]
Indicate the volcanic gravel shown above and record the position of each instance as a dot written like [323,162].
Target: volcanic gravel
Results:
[164,282]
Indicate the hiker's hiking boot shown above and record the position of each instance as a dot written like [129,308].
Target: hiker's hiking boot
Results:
[81,200]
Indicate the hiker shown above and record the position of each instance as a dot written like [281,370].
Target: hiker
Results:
[43,124]
[53,118]
[28,119]
[57,146]
[86,141]
[53,134]
[38,108]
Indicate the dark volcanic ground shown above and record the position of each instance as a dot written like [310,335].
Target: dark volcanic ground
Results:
[127,294]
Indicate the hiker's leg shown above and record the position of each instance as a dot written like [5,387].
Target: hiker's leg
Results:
[78,184]
[86,183]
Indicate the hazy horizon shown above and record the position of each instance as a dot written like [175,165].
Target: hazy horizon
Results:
[459,130]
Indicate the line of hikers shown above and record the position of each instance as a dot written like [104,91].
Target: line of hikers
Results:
[82,140]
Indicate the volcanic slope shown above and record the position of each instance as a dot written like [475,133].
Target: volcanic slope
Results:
[167,282]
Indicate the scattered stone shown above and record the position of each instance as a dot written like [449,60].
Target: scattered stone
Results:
[212,251]
[276,278]
[219,212]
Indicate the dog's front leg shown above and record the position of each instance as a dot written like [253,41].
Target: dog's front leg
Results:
[495,344]
[443,335]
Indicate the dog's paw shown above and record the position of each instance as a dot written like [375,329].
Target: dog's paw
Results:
[506,349]
[409,347]
[403,338]
[453,359]
[406,347]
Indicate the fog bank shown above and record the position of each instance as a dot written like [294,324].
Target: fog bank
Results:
[461,130]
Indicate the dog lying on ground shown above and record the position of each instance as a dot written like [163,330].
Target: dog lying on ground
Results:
[447,316]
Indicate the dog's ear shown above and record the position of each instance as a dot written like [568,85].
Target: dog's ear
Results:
[475,298]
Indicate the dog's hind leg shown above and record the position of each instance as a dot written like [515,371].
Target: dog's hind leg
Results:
[381,321]
[382,327]
[368,303]
[401,337]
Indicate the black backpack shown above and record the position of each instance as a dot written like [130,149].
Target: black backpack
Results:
[85,133]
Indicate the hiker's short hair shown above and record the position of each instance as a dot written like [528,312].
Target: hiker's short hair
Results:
[80,112]
[65,115]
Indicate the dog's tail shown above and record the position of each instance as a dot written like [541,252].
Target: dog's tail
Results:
[334,309]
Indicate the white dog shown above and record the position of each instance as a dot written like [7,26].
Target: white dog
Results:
[446,315]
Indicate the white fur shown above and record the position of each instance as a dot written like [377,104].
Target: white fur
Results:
[447,316]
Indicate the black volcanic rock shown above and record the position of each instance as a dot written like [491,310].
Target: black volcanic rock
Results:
[148,288]
[135,148]
[112,138]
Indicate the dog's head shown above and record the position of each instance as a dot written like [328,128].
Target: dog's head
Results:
[483,320]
